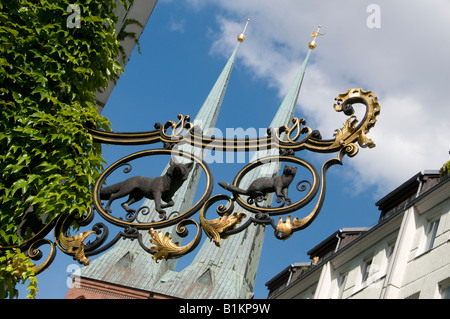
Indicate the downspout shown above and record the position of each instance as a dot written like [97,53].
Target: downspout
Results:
[339,240]
[420,180]
[290,274]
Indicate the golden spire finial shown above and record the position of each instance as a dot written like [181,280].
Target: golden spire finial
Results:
[312,45]
[241,37]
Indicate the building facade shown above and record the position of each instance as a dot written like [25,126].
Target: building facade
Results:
[405,256]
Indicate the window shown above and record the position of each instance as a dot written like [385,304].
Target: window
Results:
[389,251]
[125,261]
[341,285]
[444,289]
[445,292]
[366,269]
[389,254]
[430,234]
[414,296]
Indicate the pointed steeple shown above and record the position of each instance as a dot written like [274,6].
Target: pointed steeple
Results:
[287,108]
[207,116]
[234,265]
[109,267]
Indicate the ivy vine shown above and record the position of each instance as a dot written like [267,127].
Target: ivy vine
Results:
[49,75]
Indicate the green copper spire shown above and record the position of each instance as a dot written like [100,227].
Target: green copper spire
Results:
[230,271]
[207,116]
[286,110]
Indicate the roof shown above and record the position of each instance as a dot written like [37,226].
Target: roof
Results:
[285,271]
[333,239]
[406,189]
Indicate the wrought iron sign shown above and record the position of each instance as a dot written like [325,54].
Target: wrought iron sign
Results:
[236,209]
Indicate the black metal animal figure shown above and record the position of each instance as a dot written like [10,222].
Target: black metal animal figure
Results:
[159,189]
[260,187]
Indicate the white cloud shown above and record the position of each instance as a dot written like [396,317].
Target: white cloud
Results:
[404,62]
[177,26]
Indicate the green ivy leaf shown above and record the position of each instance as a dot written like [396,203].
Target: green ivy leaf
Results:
[20,184]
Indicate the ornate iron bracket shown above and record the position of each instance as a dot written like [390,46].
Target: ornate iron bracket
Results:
[287,140]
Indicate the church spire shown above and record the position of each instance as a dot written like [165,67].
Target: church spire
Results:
[287,108]
[230,271]
[207,116]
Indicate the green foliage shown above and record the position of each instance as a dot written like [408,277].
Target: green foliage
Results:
[15,268]
[124,34]
[445,170]
[49,75]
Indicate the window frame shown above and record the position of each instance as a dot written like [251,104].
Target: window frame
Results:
[341,283]
[365,269]
[444,289]
[431,234]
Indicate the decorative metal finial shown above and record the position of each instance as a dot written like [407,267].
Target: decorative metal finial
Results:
[312,45]
[241,37]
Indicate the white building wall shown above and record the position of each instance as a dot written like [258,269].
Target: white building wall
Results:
[401,266]
[371,287]
[324,285]
[308,293]
[426,268]
[403,244]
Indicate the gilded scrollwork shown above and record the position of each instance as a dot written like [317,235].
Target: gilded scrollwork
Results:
[215,228]
[354,130]
[165,248]
[285,229]
[172,133]
[36,254]
[228,220]
[294,132]
[350,128]
[74,246]
[351,132]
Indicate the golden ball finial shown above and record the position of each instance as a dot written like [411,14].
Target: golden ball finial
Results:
[312,45]
[241,37]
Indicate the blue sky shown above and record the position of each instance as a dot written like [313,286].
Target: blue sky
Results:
[186,44]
